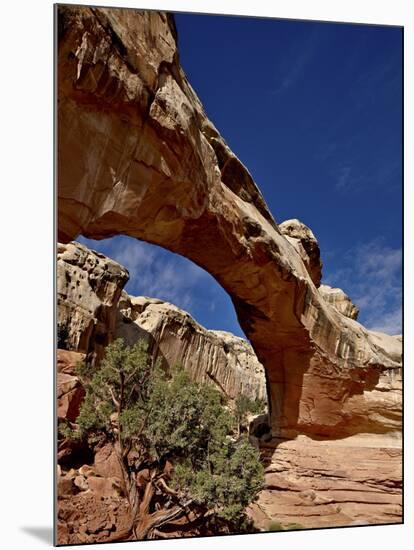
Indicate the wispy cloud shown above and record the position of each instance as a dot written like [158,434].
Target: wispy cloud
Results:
[390,323]
[295,72]
[381,78]
[347,177]
[158,273]
[299,60]
[371,275]
[355,176]
[343,177]
[154,272]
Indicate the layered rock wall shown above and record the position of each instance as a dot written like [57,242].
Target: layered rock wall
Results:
[329,484]
[176,339]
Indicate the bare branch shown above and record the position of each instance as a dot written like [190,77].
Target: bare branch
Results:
[114,399]
[161,482]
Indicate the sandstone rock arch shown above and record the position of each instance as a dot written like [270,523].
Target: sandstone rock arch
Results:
[137,155]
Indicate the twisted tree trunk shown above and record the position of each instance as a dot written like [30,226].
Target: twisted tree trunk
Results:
[148,523]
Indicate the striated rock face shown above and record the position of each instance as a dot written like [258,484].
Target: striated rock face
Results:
[89,285]
[138,156]
[340,301]
[330,484]
[88,289]
[174,337]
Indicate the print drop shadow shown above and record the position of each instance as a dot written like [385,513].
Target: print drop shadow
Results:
[44,534]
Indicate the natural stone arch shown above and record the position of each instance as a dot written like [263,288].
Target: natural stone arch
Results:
[138,156]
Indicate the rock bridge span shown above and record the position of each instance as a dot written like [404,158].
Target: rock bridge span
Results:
[138,156]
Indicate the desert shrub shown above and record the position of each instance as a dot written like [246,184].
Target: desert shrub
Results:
[156,418]
[275,526]
[245,406]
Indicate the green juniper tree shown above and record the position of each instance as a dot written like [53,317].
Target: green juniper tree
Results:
[173,436]
[243,406]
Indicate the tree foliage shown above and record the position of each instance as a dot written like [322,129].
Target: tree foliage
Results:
[245,406]
[156,418]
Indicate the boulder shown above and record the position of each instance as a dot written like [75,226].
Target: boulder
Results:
[104,486]
[70,394]
[106,463]
[86,471]
[65,486]
[81,483]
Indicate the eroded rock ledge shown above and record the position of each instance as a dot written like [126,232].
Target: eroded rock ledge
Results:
[138,156]
[330,483]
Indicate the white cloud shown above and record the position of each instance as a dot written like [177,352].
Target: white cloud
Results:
[153,271]
[343,179]
[133,255]
[347,178]
[300,59]
[391,323]
[371,275]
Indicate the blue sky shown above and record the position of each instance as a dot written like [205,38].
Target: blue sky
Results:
[314,111]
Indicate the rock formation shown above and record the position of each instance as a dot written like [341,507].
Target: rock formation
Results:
[70,392]
[88,289]
[137,155]
[94,312]
[329,484]
[302,238]
[209,356]
[356,480]
[340,301]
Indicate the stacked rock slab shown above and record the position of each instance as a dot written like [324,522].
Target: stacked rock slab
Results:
[329,484]
[94,311]
[138,156]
